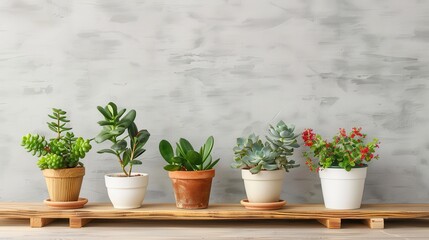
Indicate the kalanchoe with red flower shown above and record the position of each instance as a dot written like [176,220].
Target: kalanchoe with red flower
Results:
[345,150]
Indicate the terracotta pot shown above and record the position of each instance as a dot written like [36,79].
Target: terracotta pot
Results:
[64,184]
[192,188]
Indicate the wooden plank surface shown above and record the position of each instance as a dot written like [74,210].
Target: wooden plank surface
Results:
[215,212]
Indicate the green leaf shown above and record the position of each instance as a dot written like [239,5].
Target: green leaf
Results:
[104,123]
[126,157]
[166,150]
[103,136]
[139,152]
[119,146]
[194,158]
[107,151]
[178,160]
[130,116]
[256,169]
[113,109]
[143,136]
[105,113]
[132,130]
[172,167]
[136,162]
[120,113]
[185,145]
[124,123]
[207,148]
[118,131]
[212,164]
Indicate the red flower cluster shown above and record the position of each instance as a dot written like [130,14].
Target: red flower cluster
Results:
[363,152]
[308,136]
[343,132]
[356,132]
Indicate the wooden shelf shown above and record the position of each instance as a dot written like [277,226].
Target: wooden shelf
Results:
[372,215]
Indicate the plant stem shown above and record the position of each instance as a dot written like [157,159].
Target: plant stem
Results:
[131,158]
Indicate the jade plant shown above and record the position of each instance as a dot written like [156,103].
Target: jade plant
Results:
[186,158]
[63,151]
[117,127]
[346,150]
[254,154]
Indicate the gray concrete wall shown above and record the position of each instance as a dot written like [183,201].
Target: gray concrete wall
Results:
[224,68]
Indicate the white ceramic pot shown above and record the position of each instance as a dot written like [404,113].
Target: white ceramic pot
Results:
[263,187]
[342,189]
[126,192]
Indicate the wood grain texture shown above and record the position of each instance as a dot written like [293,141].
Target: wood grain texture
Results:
[331,223]
[79,222]
[215,212]
[38,222]
[374,223]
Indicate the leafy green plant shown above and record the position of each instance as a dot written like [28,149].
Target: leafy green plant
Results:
[346,151]
[186,158]
[254,154]
[63,151]
[116,128]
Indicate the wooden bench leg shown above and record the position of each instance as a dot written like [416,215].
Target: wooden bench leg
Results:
[79,222]
[38,222]
[331,223]
[375,223]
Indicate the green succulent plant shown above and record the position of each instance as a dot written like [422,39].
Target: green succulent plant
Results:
[116,128]
[254,154]
[63,151]
[186,158]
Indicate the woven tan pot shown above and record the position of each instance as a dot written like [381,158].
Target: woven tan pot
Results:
[64,184]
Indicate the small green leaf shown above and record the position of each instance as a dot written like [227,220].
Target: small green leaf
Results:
[130,116]
[208,146]
[212,164]
[166,150]
[185,145]
[103,136]
[178,160]
[172,167]
[139,152]
[113,109]
[104,123]
[132,130]
[105,113]
[136,162]
[194,158]
[119,146]
[126,157]
[256,169]
[107,151]
[143,136]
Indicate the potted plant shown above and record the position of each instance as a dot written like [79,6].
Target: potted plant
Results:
[191,172]
[126,189]
[59,160]
[264,165]
[342,165]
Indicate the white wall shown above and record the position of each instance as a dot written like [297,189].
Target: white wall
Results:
[224,68]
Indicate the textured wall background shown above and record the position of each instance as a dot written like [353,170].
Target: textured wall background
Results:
[223,68]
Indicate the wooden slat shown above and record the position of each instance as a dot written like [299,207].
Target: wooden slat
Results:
[78,217]
[374,223]
[79,222]
[331,223]
[38,222]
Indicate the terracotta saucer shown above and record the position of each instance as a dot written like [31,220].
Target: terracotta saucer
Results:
[66,205]
[263,206]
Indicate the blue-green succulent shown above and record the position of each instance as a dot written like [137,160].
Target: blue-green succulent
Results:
[254,154]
